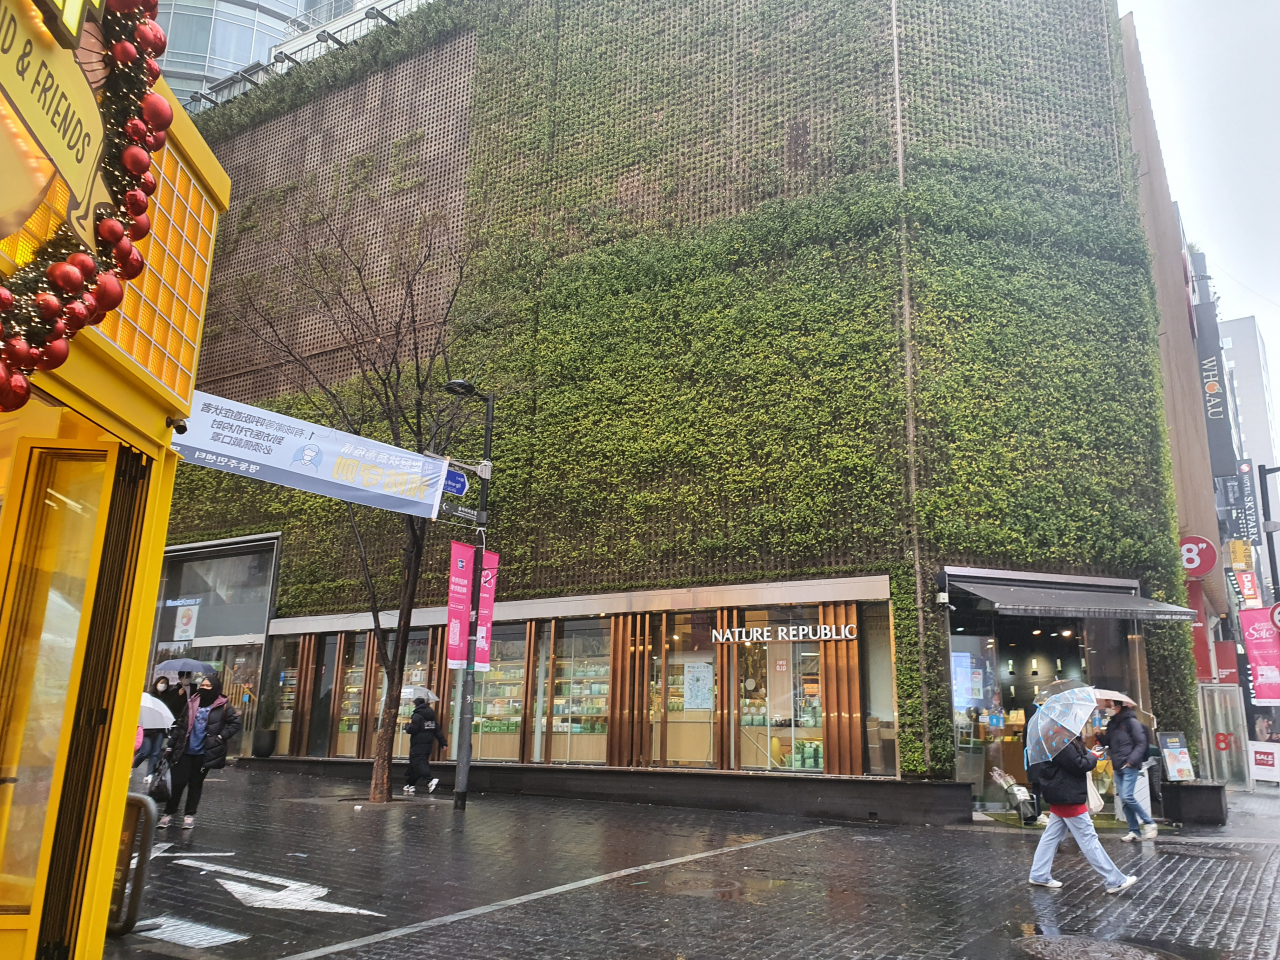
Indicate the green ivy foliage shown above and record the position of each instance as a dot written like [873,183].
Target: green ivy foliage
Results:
[698,238]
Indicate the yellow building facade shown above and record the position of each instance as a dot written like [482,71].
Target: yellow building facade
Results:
[86,476]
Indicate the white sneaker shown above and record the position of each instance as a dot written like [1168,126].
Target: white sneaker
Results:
[1042,820]
[188,823]
[146,780]
[164,822]
[408,789]
[1128,882]
[431,787]
[1129,837]
[1150,831]
[1051,884]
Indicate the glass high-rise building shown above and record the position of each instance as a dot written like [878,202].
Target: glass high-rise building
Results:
[209,39]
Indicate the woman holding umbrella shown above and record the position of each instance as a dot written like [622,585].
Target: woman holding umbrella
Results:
[154,723]
[1058,761]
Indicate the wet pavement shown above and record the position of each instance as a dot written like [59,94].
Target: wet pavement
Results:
[285,866]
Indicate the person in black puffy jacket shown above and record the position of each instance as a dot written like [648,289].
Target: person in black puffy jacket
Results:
[197,745]
[1064,783]
[1126,741]
[424,733]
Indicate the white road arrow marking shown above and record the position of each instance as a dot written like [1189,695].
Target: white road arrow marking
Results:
[294,896]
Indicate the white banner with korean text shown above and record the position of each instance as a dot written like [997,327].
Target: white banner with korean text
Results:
[252,442]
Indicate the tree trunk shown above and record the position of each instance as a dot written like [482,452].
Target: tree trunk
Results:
[384,743]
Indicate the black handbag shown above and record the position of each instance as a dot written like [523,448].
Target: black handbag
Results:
[161,787]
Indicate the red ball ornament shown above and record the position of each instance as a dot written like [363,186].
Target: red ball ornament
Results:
[48,305]
[151,38]
[135,159]
[136,130]
[132,265]
[110,231]
[123,52]
[135,202]
[17,351]
[75,314]
[90,304]
[150,8]
[153,71]
[122,250]
[55,355]
[6,299]
[108,292]
[58,331]
[155,141]
[10,401]
[123,6]
[156,110]
[147,183]
[19,390]
[140,227]
[65,276]
[85,264]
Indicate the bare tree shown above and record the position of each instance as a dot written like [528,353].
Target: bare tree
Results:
[362,330]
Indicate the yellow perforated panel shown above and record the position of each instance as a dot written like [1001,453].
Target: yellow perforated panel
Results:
[158,324]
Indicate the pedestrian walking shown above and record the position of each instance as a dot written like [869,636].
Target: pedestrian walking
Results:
[1126,741]
[197,745]
[424,733]
[1063,782]
[153,738]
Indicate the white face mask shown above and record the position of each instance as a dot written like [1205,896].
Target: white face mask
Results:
[162,686]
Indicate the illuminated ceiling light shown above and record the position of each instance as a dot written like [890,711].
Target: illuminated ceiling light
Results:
[1035,633]
[1066,633]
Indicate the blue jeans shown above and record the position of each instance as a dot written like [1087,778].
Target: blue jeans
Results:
[152,746]
[1081,828]
[1126,780]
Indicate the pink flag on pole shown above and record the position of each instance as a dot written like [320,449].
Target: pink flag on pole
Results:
[1262,644]
[488,589]
[461,560]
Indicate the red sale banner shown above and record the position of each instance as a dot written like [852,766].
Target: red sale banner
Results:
[461,560]
[1262,645]
[484,628]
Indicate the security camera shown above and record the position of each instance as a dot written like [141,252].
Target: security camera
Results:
[179,424]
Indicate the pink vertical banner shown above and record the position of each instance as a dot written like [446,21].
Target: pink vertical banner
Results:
[484,628]
[1262,645]
[461,560]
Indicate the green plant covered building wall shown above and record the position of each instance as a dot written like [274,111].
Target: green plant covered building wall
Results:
[799,288]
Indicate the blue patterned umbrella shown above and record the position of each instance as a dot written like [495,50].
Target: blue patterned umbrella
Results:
[1058,721]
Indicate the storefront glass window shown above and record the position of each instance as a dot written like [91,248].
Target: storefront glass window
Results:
[541,712]
[500,696]
[779,694]
[284,674]
[321,714]
[50,573]
[417,670]
[682,691]
[875,654]
[580,699]
[352,692]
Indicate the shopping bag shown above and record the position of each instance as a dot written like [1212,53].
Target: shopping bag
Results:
[1095,798]
[161,782]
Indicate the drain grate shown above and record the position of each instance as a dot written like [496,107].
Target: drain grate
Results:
[1086,948]
[1202,853]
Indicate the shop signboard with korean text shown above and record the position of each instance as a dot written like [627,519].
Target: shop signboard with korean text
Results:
[1247,584]
[252,442]
[1177,758]
[484,625]
[1237,502]
[1262,647]
[1241,554]
[461,560]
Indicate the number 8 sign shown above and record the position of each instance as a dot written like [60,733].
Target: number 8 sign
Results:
[1199,556]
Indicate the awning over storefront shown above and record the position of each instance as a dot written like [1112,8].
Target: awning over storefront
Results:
[1025,600]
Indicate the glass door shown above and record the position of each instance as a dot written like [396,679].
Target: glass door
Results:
[320,721]
[351,695]
[500,696]
[580,698]
[55,529]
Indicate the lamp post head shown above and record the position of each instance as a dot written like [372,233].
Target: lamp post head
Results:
[460,388]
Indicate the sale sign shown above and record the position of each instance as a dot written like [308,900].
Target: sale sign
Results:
[1264,760]
[484,626]
[1199,556]
[461,560]
[1262,646]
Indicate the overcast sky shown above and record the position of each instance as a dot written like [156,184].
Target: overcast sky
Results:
[1213,68]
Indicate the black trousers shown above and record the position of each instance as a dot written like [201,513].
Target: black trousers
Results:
[419,769]
[188,773]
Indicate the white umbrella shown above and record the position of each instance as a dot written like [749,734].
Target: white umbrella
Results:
[155,715]
[1101,694]
[412,693]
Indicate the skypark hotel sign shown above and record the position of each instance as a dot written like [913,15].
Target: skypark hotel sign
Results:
[789,634]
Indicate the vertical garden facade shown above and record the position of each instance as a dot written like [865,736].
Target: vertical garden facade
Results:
[812,312]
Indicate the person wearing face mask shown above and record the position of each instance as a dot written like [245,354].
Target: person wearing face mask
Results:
[153,739]
[198,745]
[1126,741]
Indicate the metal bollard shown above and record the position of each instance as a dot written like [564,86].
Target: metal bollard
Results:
[139,812]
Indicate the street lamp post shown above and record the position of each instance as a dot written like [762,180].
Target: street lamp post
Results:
[461,388]
[1269,528]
